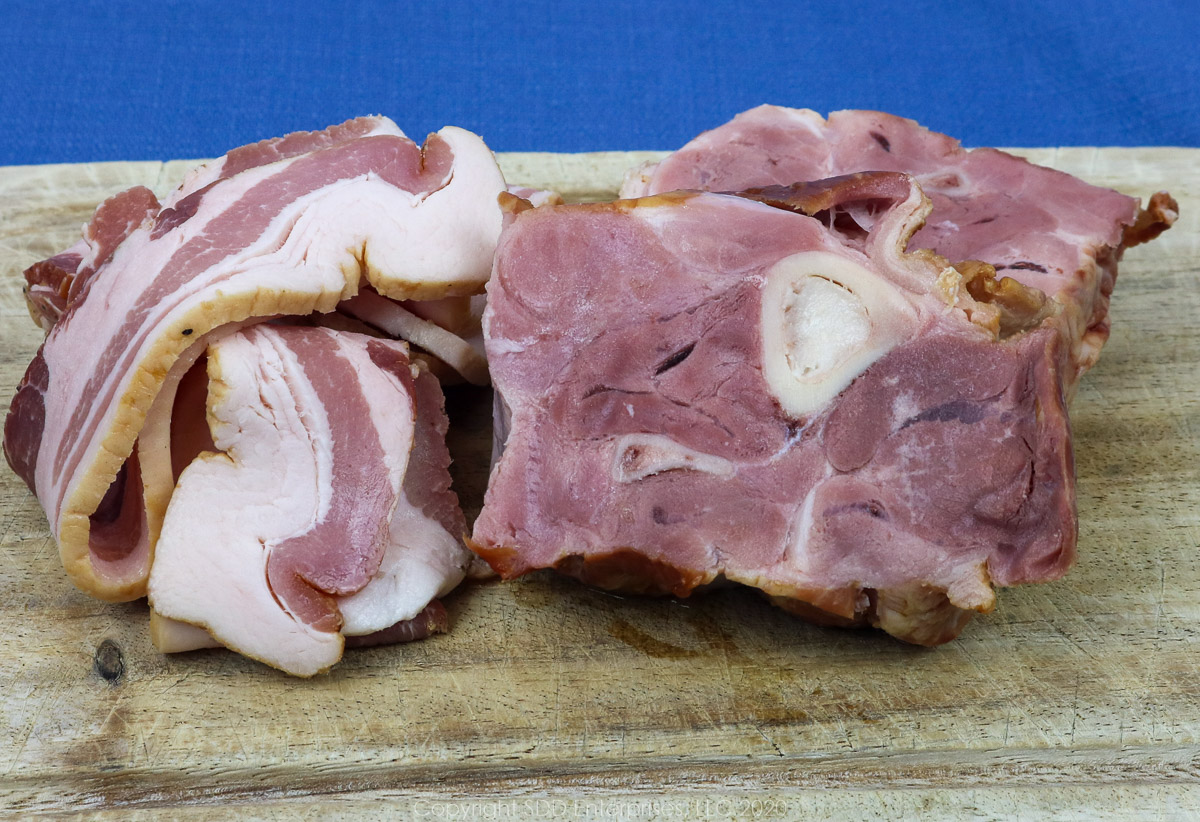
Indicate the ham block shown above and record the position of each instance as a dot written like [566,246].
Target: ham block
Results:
[780,389]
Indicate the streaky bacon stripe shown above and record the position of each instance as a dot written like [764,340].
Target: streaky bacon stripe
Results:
[274,149]
[396,160]
[60,280]
[362,497]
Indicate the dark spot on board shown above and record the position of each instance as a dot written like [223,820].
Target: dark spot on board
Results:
[984,221]
[109,662]
[884,142]
[1023,265]
[674,360]
[648,645]
[187,332]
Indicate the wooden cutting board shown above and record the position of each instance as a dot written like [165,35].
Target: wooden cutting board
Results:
[1078,699]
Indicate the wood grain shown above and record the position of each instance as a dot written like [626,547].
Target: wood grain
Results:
[1078,699]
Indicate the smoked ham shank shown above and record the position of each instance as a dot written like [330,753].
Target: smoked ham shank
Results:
[782,389]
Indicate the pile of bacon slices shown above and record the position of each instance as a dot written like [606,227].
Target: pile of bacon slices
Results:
[827,359]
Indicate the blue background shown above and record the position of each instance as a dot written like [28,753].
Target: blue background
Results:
[139,81]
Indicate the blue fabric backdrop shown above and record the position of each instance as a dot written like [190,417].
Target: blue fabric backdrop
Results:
[121,80]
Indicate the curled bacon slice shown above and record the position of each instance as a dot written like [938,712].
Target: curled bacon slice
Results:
[286,227]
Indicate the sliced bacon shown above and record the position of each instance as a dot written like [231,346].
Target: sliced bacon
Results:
[282,536]
[275,149]
[286,228]
[423,557]
[51,285]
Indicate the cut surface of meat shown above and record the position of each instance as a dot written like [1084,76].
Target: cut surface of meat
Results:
[285,227]
[781,390]
[1040,227]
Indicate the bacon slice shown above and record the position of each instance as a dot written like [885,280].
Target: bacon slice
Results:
[428,334]
[54,283]
[309,522]
[770,389]
[287,227]
[1042,228]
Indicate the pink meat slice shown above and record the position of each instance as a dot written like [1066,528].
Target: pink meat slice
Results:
[362,496]
[325,447]
[649,448]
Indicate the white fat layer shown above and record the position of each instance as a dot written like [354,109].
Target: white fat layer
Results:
[422,561]
[801,527]
[171,636]
[398,321]
[453,235]
[637,180]
[273,482]
[637,456]
[825,320]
